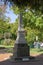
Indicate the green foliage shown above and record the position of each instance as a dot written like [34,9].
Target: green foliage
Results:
[39,22]
[34,4]
[29,19]
[15,9]
[7,42]
[7,31]
[32,21]
[3,26]
[33,24]
[14,27]
[31,34]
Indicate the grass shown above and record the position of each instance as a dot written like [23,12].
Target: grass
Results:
[9,48]
[6,46]
[34,51]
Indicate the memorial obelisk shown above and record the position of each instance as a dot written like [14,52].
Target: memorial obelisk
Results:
[21,49]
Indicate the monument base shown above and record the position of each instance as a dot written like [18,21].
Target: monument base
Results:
[21,52]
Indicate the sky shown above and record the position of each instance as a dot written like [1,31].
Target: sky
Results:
[11,15]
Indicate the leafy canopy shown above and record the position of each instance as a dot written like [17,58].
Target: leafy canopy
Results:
[23,4]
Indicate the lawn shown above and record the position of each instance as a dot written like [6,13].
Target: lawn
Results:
[33,51]
[5,46]
[8,49]
[36,51]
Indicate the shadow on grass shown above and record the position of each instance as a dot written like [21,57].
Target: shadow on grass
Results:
[34,62]
[40,50]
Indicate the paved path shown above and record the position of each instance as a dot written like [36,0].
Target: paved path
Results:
[38,61]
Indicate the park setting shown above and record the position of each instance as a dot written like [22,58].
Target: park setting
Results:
[21,32]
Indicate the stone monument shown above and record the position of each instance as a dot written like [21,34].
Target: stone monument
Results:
[21,49]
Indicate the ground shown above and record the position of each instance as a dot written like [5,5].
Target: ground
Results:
[5,56]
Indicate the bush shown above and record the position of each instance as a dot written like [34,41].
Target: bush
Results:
[7,42]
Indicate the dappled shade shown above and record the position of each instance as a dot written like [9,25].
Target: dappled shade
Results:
[34,4]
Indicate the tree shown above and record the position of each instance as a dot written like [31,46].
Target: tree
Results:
[32,18]
[13,29]
[24,4]
[33,24]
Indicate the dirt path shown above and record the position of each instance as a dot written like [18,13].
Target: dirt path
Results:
[5,56]
[4,61]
